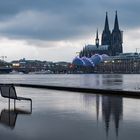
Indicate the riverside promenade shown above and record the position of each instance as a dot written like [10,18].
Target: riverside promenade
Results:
[60,114]
[124,93]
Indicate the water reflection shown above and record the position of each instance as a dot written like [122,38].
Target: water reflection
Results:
[112,80]
[8,117]
[91,100]
[111,109]
[97,106]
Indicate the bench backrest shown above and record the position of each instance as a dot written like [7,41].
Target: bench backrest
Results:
[8,91]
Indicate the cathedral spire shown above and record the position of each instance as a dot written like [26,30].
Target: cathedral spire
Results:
[106,35]
[97,35]
[97,39]
[116,24]
[106,27]
[116,38]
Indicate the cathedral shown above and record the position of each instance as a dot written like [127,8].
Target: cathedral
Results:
[111,42]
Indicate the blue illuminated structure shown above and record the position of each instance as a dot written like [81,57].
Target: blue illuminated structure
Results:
[89,62]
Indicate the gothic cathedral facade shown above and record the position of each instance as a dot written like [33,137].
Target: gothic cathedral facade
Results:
[111,42]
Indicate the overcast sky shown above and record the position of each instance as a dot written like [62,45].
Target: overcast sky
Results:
[55,30]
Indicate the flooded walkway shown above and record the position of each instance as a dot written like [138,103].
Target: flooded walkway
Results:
[61,115]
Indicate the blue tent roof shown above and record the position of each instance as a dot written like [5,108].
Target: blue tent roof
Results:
[92,61]
[78,61]
[87,61]
[96,59]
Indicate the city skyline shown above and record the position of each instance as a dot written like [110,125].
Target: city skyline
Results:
[56,30]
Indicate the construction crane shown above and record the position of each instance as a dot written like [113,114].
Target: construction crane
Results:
[3,57]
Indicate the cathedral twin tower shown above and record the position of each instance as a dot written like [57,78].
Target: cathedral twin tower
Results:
[111,43]
[114,39]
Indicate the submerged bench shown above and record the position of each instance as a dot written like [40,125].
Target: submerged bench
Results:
[9,91]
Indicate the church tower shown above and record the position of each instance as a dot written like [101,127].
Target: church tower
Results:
[97,39]
[116,38]
[106,35]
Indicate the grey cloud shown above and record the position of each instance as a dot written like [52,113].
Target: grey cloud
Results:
[63,19]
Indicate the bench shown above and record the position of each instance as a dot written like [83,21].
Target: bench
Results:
[9,91]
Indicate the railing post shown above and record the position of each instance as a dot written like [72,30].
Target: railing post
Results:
[9,98]
[14,104]
[9,104]
[31,106]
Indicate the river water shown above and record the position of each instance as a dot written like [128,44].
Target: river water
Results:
[102,81]
[62,115]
